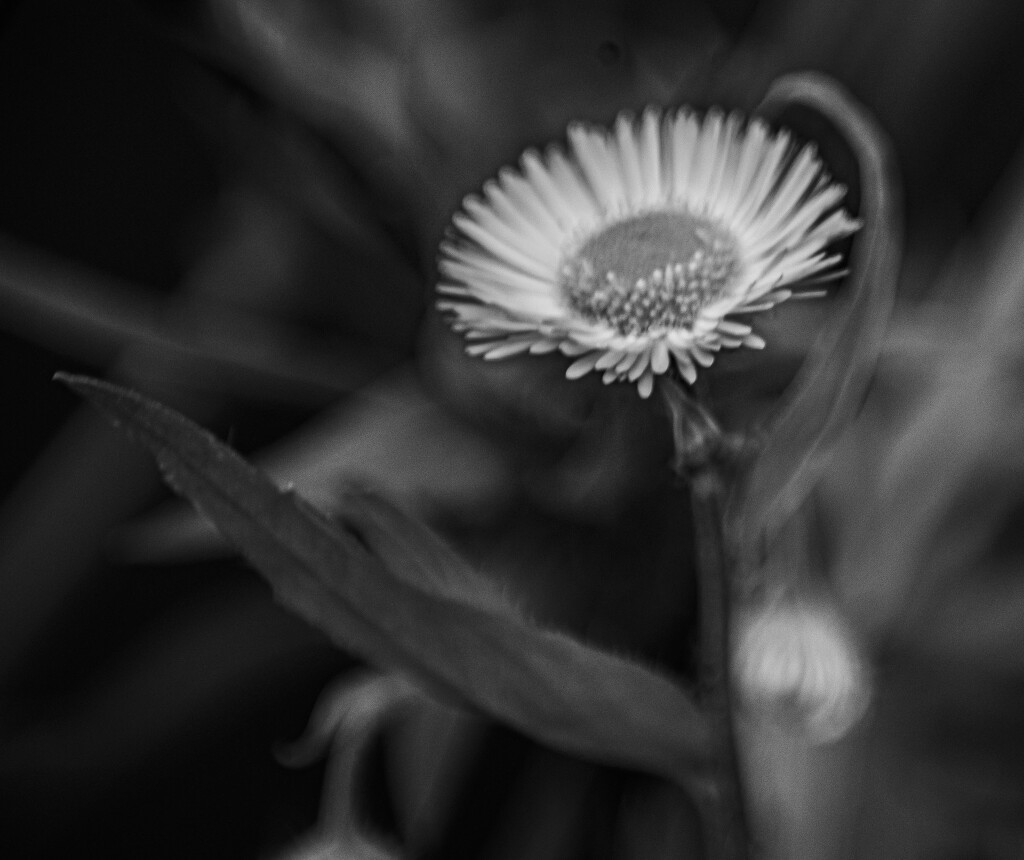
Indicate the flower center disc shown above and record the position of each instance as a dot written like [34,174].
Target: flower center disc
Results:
[649,273]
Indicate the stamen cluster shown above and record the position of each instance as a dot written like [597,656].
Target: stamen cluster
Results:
[666,297]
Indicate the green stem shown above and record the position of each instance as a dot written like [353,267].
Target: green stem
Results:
[726,829]
[700,449]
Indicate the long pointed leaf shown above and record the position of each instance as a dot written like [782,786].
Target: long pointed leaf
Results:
[561,691]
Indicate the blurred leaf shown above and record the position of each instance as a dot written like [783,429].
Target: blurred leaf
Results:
[341,65]
[657,821]
[995,270]
[833,380]
[922,506]
[283,153]
[206,665]
[939,442]
[348,716]
[925,499]
[955,472]
[90,317]
[395,593]
[391,435]
[429,751]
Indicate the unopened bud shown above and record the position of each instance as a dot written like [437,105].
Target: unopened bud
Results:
[797,663]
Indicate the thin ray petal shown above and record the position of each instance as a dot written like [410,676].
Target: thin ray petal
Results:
[582,366]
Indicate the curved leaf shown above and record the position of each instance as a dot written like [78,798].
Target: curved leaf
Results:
[402,599]
[391,435]
[835,376]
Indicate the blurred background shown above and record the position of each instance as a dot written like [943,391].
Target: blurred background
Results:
[233,206]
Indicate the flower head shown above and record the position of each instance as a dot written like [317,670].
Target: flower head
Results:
[639,247]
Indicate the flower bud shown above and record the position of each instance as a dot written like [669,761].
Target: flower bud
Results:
[797,664]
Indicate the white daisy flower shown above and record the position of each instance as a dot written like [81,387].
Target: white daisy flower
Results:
[639,247]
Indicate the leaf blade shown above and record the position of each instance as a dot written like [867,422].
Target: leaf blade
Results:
[561,691]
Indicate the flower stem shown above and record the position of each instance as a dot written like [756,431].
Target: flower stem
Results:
[701,452]
[725,818]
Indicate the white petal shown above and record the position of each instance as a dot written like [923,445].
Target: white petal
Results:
[685,131]
[573,348]
[719,308]
[762,237]
[487,317]
[701,355]
[612,356]
[501,249]
[650,157]
[706,159]
[598,166]
[582,366]
[798,179]
[646,384]
[545,251]
[732,327]
[542,347]
[628,158]
[767,174]
[572,185]
[735,190]
[724,167]
[596,336]
[516,304]
[490,273]
[838,225]
[627,361]
[526,199]
[791,273]
[556,202]
[685,365]
[515,216]
[508,349]
[659,357]
[639,366]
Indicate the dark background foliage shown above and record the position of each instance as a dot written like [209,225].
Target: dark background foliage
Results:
[150,153]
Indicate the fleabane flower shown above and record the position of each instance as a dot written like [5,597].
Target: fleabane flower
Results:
[643,246]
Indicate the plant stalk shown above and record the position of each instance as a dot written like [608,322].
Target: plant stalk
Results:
[701,453]
[726,830]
